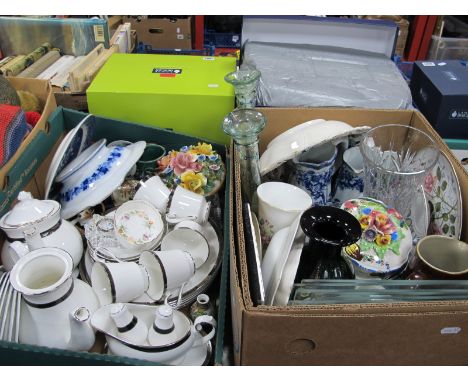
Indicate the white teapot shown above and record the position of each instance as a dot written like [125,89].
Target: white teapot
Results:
[171,335]
[32,224]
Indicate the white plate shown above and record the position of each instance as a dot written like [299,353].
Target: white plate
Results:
[273,255]
[77,139]
[279,266]
[290,145]
[290,270]
[105,186]
[444,195]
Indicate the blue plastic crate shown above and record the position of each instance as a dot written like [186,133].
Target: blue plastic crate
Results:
[208,50]
[222,40]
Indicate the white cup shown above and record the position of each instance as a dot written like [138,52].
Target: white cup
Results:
[118,282]
[188,236]
[155,192]
[187,205]
[278,205]
[167,270]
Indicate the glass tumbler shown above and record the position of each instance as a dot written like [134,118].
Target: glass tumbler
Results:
[396,161]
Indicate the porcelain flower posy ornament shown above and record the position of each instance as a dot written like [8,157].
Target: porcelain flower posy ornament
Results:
[386,240]
[197,168]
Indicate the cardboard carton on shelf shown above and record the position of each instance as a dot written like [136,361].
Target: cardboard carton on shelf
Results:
[419,333]
[163,32]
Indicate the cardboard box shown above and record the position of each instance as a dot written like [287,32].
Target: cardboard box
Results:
[352,334]
[69,100]
[60,122]
[21,171]
[440,91]
[163,33]
[185,93]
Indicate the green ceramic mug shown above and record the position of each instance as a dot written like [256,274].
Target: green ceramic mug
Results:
[148,162]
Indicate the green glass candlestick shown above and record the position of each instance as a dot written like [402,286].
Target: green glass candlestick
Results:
[244,126]
[245,83]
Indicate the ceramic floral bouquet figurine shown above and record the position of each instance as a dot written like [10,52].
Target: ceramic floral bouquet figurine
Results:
[197,168]
[386,239]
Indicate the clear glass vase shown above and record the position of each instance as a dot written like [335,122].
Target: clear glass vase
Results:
[245,83]
[244,126]
[396,161]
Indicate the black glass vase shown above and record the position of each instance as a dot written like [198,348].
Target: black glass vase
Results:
[328,230]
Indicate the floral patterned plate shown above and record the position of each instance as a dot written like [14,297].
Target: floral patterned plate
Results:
[444,196]
[197,168]
[138,225]
[386,240]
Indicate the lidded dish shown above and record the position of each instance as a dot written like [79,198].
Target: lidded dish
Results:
[30,213]
[32,224]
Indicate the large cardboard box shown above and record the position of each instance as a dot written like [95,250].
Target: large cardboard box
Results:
[184,93]
[60,122]
[22,170]
[163,32]
[419,333]
[440,90]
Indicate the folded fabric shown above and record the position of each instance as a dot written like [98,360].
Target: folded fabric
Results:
[13,129]
[32,118]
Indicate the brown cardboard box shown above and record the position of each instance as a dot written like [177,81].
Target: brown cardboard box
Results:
[9,188]
[163,33]
[352,334]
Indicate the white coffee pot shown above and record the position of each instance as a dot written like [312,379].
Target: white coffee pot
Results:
[55,308]
[32,224]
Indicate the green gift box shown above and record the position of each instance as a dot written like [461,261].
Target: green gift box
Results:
[185,93]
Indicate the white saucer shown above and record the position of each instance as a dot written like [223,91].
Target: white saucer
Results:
[289,145]
[77,140]
[105,186]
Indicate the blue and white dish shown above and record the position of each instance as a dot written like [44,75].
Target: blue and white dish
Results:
[97,173]
[77,140]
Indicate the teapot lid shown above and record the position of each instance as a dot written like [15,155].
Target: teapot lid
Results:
[28,211]
[170,327]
